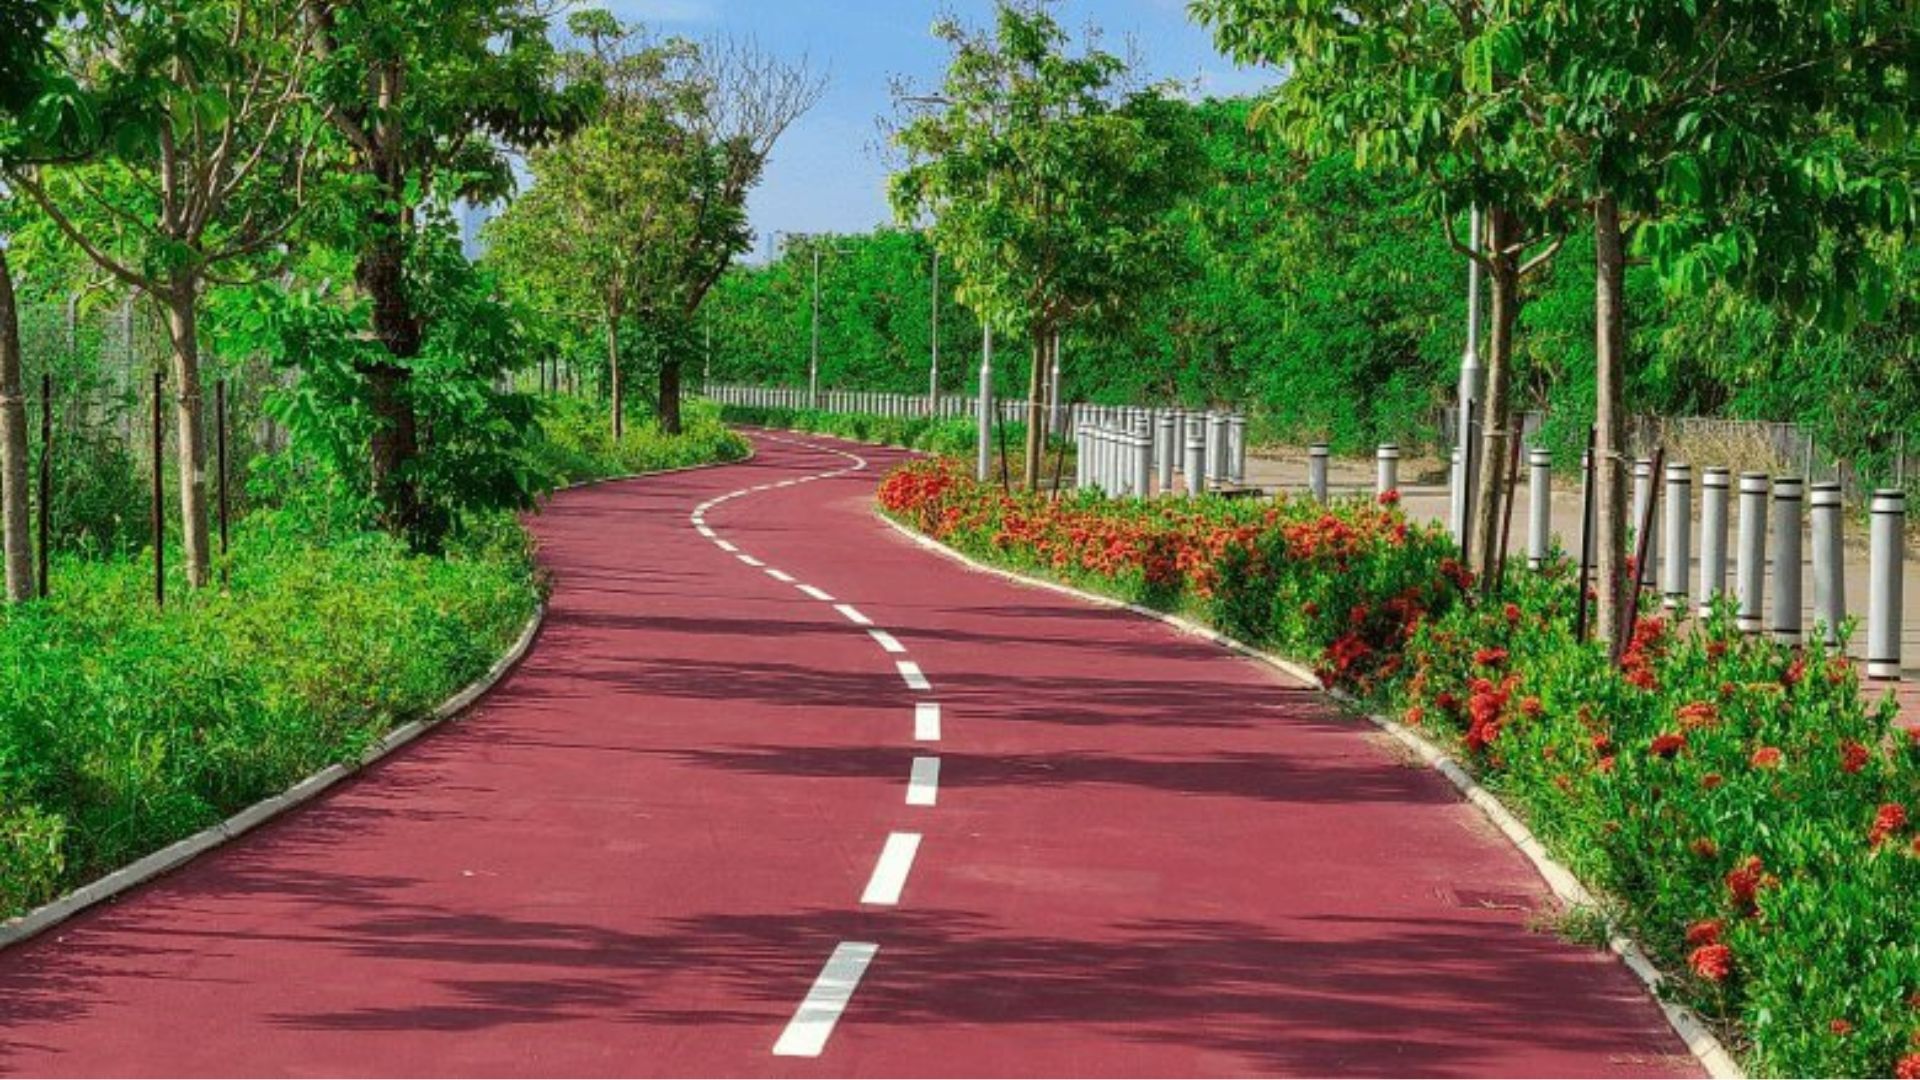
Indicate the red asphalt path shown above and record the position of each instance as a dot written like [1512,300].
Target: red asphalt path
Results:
[1148,857]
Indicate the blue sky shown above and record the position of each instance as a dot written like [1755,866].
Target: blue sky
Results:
[827,174]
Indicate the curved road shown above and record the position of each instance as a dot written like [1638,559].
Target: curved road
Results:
[716,824]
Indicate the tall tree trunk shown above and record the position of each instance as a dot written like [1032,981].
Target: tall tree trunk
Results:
[614,383]
[381,274]
[189,428]
[1609,451]
[1490,492]
[668,409]
[14,525]
[1036,410]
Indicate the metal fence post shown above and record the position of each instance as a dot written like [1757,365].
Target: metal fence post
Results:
[1751,572]
[1237,448]
[1786,559]
[1829,559]
[1196,470]
[1317,470]
[1169,450]
[1142,439]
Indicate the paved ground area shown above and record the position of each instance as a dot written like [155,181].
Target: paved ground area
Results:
[779,793]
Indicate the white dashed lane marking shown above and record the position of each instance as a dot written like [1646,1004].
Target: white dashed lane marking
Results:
[890,873]
[923,784]
[813,1022]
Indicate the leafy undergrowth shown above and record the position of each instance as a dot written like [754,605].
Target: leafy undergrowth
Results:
[947,435]
[124,728]
[577,444]
[1742,807]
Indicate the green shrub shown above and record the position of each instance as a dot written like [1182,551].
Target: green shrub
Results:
[576,443]
[124,728]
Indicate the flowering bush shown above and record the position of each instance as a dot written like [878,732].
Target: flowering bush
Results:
[1748,815]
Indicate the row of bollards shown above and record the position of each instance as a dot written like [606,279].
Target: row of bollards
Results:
[1136,452]
[1769,515]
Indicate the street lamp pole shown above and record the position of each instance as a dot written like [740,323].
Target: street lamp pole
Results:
[933,367]
[1463,471]
[813,365]
[986,400]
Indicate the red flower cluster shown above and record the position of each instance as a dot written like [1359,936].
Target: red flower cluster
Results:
[1711,962]
[1706,932]
[1853,756]
[1486,711]
[1745,881]
[1907,1068]
[1667,745]
[1490,657]
[1698,714]
[1889,820]
[1643,651]
[1766,757]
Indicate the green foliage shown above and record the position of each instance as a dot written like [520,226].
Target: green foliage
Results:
[632,219]
[952,436]
[471,461]
[575,445]
[123,728]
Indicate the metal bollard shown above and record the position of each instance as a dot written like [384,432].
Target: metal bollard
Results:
[1829,559]
[1142,461]
[1750,582]
[1539,507]
[1888,517]
[1386,469]
[1714,484]
[1196,460]
[1169,450]
[1643,495]
[1317,470]
[1786,559]
[1676,555]
[1237,448]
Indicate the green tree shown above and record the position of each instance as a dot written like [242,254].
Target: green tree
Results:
[428,96]
[1050,183]
[1432,89]
[208,162]
[638,214]
[23,36]
[1761,144]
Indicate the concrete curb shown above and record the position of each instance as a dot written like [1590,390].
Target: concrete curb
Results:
[1701,1042]
[140,871]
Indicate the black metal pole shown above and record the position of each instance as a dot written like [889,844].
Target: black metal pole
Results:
[220,442]
[1467,478]
[1642,541]
[159,508]
[46,477]
[1586,536]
